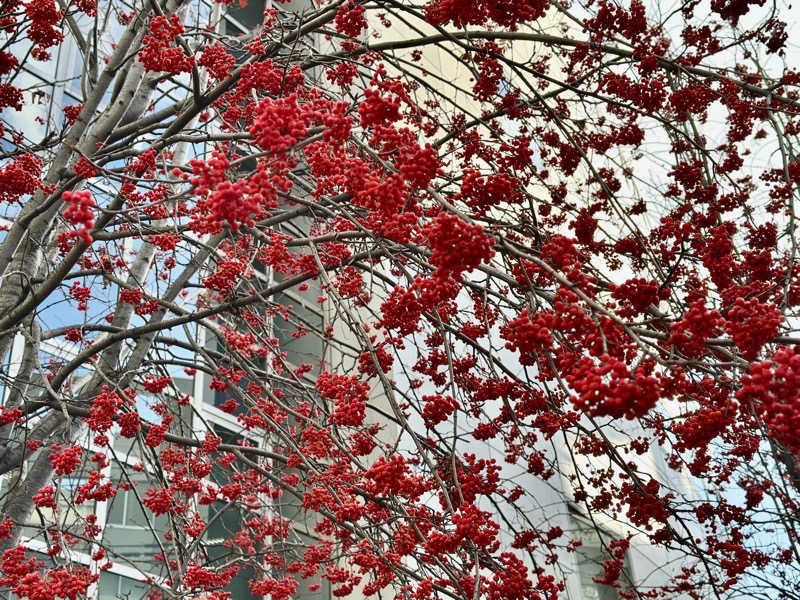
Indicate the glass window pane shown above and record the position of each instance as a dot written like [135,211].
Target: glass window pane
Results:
[107,586]
[130,532]
[130,589]
[223,527]
[295,6]
[590,557]
[135,515]
[117,587]
[116,509]
[292,550]
[249,16]
[306,349]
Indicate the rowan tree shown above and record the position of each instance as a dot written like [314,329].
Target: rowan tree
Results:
[548,241]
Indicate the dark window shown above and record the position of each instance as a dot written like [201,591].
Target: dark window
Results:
[590,556]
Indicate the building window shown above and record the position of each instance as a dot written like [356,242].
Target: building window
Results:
[113,587]
[225,520]
[131,529]
[69,516]
[314,587]
[244,17]
[300,348]
[590,557]
[305,314]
